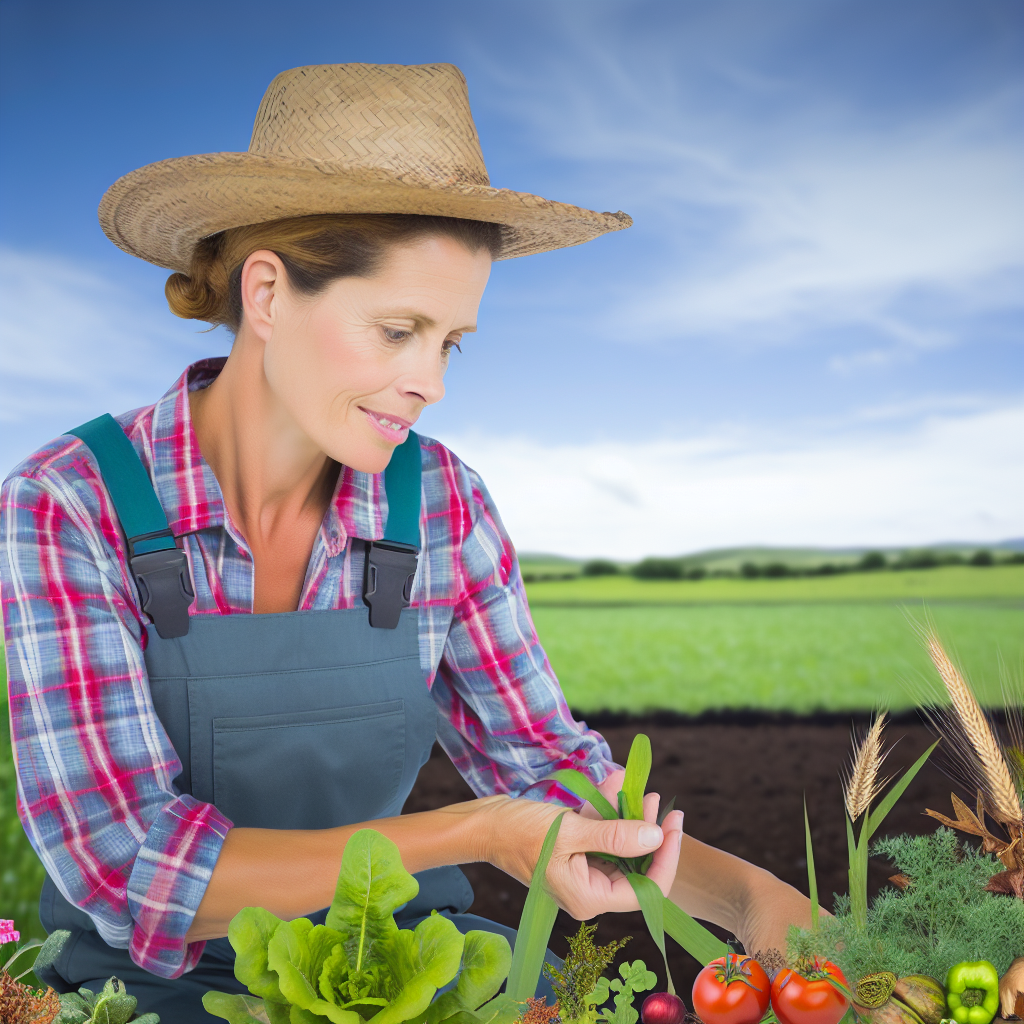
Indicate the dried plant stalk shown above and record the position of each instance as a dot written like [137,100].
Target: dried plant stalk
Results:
[862,784]
[1000,793]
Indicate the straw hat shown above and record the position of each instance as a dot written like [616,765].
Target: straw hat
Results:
[340,138]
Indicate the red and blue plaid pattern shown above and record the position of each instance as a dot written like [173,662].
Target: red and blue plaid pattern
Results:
[95,767]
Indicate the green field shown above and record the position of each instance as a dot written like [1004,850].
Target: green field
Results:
[821,643]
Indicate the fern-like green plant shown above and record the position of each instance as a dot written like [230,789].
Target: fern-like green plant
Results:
[580,974]
[942,917]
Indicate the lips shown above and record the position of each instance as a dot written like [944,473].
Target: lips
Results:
[394,428]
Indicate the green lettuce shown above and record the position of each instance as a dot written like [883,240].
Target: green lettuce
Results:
[360,966]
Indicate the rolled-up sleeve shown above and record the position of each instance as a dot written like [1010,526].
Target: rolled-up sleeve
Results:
[94,764]
[504,721]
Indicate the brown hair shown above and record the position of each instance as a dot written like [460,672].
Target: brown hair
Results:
[314,250]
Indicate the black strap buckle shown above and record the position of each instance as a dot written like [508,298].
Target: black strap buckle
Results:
[387,581]
[165,586]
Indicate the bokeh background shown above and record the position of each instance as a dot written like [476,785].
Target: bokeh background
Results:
[808,347]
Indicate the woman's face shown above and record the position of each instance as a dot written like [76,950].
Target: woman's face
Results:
[355,365]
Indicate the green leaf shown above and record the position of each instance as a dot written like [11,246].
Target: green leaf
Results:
[576,782]
[420,962]
[638,770]
[50,949]
[485,965]
[372,885]
[877,816]
[652,903]
[249,933]
[502,1009]
[236,1009]
[298,952]
[535,926]
[114,1005]
[637,977]
[74,1009]
[812,878]
[693,937]
[147,1018]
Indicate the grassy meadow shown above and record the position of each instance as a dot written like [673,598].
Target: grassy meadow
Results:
[811,643]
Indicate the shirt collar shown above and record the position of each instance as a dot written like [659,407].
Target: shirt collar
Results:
[192,498]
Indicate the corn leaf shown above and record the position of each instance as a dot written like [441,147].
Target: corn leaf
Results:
[638,771]
[692,936]
[535,926]
[652,903]
[812,878]
[577,783]
[877,816]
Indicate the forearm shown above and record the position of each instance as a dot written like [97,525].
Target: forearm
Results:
[293,873]
[714,885]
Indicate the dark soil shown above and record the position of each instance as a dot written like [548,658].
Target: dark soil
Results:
[740,778]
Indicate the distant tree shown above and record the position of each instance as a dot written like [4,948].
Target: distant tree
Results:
[750,570]
[696,572]
[776,570]
[827,569]
[600,567]
[1017,558]
[658,569]
[921,559]
[872,561]
[982,557]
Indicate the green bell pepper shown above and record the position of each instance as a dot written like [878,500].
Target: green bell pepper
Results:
[972,992]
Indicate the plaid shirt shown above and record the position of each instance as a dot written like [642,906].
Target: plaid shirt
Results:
[95,766]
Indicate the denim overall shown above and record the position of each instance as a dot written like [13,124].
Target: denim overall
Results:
[300,720]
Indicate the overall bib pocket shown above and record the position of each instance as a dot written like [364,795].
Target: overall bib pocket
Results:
[284,770]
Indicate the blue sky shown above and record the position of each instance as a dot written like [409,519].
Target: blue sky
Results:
[812,334]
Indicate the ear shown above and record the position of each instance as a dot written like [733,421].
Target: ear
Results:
[263,276]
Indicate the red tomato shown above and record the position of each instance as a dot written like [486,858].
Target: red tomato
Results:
[813,999]
[731,990]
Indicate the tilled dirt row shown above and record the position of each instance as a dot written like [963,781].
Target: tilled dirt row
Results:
[740,780]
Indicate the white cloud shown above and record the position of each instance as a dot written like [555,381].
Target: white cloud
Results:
[776,206]
[946,477]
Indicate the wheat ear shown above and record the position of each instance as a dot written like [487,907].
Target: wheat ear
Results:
[862,784]
[1001,793]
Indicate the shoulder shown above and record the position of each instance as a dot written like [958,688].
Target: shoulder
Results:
[462,519]
[450,487]
[61,479]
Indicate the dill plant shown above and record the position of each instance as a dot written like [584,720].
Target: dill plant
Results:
[582,970]
[943,917]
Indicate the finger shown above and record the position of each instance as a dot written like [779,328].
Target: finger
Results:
[622,838]
[666,859]
[652,801]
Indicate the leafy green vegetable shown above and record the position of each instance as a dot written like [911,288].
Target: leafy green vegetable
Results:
[360,966]
[112,1005]
[638,771]
[652,903]
[635,978]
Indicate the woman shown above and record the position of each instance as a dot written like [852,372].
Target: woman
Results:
[237,619]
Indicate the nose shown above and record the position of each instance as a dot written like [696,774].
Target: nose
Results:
[425,380]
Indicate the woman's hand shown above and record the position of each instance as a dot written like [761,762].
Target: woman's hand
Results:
[582,887]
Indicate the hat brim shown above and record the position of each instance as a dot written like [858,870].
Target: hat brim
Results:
[160,211]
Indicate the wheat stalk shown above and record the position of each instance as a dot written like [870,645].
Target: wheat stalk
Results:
[1000,792]
[862,784]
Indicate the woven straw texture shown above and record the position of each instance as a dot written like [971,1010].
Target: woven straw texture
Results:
[340,138]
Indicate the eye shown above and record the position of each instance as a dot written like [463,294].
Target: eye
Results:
[449,344]
[396,335]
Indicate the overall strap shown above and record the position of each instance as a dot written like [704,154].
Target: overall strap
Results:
[159,567]
[391,562]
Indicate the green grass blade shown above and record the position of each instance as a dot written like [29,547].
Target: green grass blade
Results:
[638,771]
[692,936]
[535,926]
[812,878]
[577,783]
[877,816]
[652,903]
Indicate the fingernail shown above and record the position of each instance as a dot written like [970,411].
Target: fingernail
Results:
[649,836]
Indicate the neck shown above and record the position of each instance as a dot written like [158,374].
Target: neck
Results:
[270,473]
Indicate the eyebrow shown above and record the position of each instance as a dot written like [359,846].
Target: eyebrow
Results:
[422,320]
